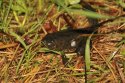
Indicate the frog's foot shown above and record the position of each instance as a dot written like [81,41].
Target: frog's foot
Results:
[64,60]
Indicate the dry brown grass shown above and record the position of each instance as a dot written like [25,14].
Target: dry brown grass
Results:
[37,67]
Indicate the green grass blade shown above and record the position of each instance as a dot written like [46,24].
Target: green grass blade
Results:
[114,53]
[87,54]
[40,21]
[18,38]
[80,12]
[5,17]
[48,50]
[87,13]
[19,64]
[121,2]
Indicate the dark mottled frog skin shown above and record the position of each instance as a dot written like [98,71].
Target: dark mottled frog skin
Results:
[69,41]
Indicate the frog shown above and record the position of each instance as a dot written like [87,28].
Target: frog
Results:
[70,40]
[73,40]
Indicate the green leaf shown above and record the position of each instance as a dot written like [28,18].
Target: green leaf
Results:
[48,50]
[21,7]
[80,11]
[73,1]
[121,2]
[87,13]
[87,54]
[18,8]
[1,1]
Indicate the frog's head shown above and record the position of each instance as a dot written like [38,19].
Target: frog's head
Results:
[48,42]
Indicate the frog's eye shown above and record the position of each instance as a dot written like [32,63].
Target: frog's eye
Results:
[73,43]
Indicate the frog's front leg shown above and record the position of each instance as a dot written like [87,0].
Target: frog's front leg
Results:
[64,58]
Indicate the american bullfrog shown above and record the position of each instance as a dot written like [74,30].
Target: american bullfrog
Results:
[72,40]
[68,40]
